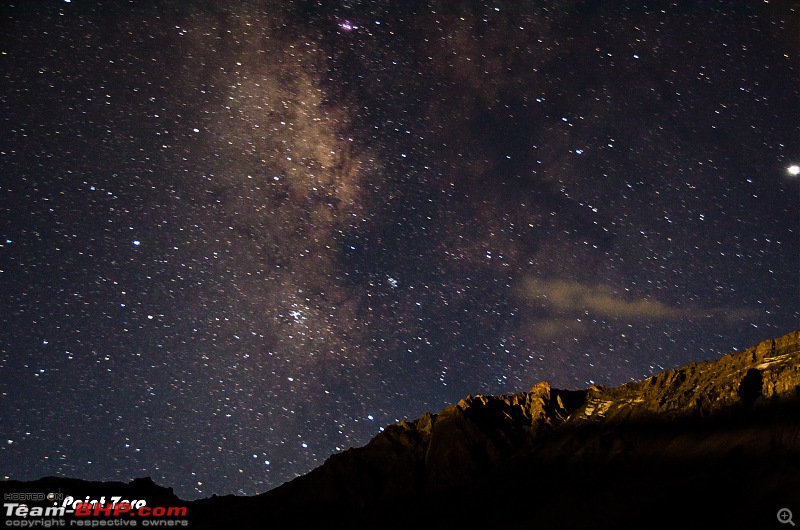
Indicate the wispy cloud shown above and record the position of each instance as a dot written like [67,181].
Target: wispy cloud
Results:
[601,300]
[565,297]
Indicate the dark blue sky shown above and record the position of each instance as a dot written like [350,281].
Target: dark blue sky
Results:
[235,240]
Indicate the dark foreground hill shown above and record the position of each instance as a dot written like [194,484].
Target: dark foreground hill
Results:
[709,445]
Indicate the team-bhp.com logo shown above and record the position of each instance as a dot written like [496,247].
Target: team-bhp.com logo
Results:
[69,511]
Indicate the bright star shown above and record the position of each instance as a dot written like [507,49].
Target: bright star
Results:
[346,25]
[793,170]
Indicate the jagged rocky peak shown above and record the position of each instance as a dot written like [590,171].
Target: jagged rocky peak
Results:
[715,424]
[540,408]
[466,440]
[765,373]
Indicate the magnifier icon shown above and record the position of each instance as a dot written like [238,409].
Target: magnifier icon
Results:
[785,516]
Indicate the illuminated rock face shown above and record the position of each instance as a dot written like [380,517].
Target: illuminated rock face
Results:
[725,431]
[715,444]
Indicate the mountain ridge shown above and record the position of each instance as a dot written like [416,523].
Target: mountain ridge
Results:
[465,441]
[723,433]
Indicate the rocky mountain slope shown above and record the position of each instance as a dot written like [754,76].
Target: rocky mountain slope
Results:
[715,444]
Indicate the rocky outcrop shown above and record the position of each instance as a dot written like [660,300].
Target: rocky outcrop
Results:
[678,435]
[765,374]
[714,445]
[457,446]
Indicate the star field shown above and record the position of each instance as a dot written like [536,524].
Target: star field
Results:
[236,239]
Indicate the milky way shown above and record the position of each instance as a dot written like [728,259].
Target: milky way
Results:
[238,239]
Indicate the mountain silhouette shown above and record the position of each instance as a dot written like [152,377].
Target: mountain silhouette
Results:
[711,445]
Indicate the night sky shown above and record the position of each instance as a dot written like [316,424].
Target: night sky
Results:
[237,237]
